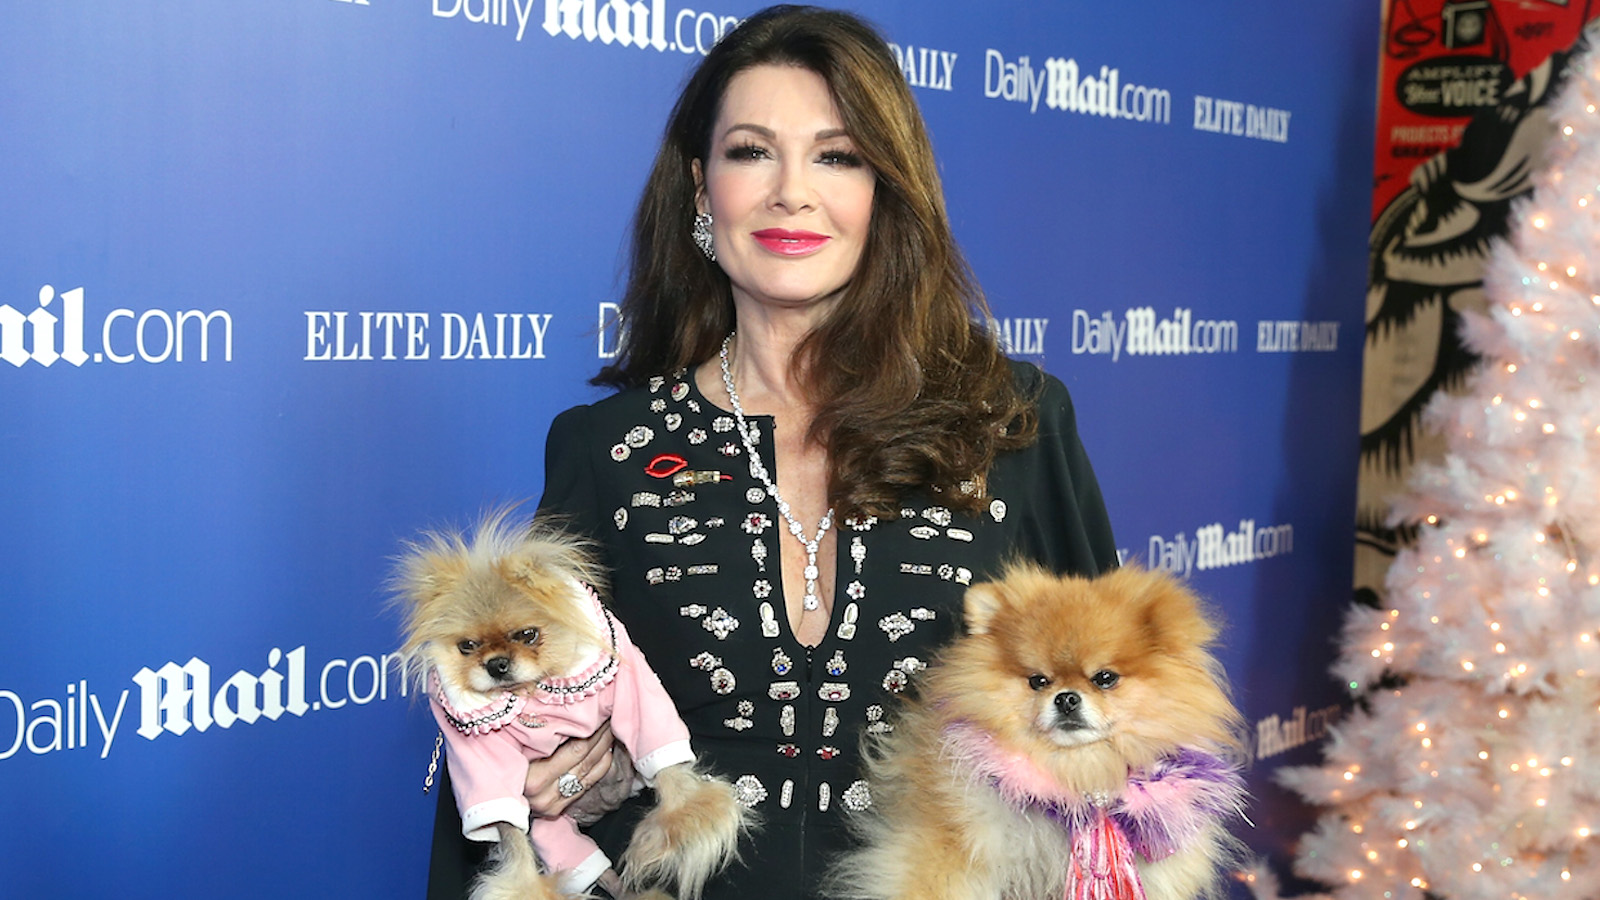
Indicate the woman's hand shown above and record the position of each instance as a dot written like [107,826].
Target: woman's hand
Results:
[590,761]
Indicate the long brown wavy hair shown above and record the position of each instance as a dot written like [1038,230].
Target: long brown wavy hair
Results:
[911,386]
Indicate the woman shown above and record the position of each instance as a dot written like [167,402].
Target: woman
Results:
[817,442]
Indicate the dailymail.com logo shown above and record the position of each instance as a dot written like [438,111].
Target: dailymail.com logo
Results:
[57,330]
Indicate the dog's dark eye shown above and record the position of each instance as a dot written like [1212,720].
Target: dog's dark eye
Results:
[1105,679]
[1038,682]
[466,647]
[527,636]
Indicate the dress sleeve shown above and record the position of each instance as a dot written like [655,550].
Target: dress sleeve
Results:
[569,478]
[1068,529]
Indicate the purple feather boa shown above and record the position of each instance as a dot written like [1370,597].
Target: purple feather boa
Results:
[1161,810]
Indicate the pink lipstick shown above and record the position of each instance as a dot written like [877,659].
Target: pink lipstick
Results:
[785,242]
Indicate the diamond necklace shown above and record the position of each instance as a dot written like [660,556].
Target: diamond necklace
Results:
[759,469]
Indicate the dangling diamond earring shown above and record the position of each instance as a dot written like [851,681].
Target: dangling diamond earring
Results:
[702,235]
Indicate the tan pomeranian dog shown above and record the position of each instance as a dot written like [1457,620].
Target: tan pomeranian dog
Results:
[1077,742]
[517,654]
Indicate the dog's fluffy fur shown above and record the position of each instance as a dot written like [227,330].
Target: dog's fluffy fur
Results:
[1030,677]
[501,611]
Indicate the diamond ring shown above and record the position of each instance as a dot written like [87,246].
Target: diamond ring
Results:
[568,785]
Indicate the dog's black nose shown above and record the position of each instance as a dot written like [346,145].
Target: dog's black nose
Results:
[498,666]
[1068,702]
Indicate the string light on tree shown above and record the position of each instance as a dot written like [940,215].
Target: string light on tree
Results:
[1470,766]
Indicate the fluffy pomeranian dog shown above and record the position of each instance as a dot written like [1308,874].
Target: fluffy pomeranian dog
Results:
[1077,742]
[517,654]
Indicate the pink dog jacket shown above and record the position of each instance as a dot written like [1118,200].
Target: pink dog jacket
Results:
[492,739]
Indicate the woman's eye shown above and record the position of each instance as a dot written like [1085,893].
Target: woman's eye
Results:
[841,158]
[746,152]
[1038,682]
[1105,679]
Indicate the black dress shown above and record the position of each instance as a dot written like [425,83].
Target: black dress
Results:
[658,475]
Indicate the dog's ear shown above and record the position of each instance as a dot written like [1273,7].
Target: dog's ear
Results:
[428,574]
[1174,618]
[521,569]
[981,603]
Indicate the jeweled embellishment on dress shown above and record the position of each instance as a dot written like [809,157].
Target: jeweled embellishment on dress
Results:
[722,424]
[638,436]
[762,590]
[781,663]
[754,495]
[847,622]
[997,510]
[697,436]
[875,722]
[621,518]
[896,626]
[749,791]
[855,590]
[784,690]
[620,452]
[836,665]
[722,681]
[900,675]
[857,797]
[924,532]
[938,515]
[680,391]
[705,661]
[742,721]
[756,523]
[769,621]
[834,691]
[673,421]
[720,623]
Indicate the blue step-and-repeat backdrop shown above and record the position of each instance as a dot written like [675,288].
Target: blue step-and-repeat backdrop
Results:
[283,281]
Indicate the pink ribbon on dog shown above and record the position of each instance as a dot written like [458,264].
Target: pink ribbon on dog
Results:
[1101,866]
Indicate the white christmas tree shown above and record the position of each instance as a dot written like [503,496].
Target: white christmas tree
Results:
[1470,766]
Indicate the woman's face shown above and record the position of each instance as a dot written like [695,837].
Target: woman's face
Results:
[788,193]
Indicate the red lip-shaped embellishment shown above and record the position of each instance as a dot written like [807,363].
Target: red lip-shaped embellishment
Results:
[665,465]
